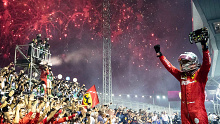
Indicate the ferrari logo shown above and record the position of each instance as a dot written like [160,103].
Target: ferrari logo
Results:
[87,99]
[187,82]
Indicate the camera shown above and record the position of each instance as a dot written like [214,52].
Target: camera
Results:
[39,97]
[5,109]
[27,93]
[87,114]
[80,115]
[67,99]
[38,37]
[199,35]
[60,96]
[47,39]
[17,92]
[55,98]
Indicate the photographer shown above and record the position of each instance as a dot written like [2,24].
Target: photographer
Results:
[44,47]
[32,44]
[192,78]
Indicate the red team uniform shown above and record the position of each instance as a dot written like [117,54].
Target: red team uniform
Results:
[43,76]
[192,90]
[192,78]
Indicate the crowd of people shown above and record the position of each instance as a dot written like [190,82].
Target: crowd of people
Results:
[24,103]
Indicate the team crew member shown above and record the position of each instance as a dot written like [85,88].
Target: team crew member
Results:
[43,76]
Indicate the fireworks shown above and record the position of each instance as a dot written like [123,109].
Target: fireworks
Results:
[56,19]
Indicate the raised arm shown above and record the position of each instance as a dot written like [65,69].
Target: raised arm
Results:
[173,70]
[206,63]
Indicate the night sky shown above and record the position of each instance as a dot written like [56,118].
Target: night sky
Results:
[75,31]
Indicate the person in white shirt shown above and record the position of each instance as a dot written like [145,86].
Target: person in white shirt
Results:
[210,117]
[93,118]
[154,118]
[165,118]
[214,118]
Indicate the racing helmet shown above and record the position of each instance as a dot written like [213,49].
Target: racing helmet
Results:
[188,61]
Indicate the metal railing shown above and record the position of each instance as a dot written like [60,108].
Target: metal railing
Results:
[41,54]
[32,55]
[136,105]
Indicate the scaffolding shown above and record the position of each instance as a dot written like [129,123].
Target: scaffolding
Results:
[107,70]
[29,58]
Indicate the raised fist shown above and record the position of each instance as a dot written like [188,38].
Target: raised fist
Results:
[157,48]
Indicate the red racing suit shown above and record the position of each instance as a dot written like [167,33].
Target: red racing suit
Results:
[43,77]
[192,90]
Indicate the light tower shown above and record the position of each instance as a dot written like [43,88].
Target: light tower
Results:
[107,69]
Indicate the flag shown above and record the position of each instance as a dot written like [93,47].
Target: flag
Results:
[91,97]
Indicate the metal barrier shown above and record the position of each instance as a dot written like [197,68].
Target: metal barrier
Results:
[135,105]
